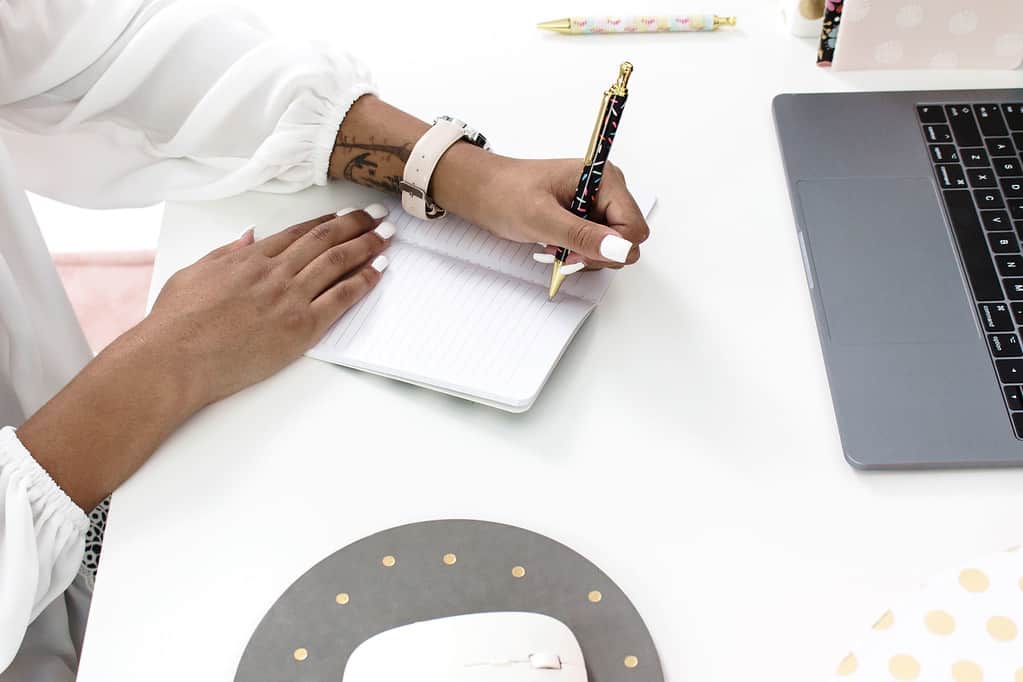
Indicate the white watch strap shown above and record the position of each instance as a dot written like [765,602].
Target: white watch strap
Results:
[419,168]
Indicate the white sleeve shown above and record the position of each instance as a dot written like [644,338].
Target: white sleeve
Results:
[132,102]
[42,540]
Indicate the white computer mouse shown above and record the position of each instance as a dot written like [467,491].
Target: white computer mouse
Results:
[476,647]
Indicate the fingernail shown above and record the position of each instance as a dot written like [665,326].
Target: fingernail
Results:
[376,211]
[543,244]
[245,232]
[573,268]
[385,230]
[543,257]
[345,211]
[380,263]
[615,248]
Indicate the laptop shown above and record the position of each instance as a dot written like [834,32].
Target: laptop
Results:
[909,214]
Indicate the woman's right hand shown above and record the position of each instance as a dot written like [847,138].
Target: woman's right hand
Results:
[249,308]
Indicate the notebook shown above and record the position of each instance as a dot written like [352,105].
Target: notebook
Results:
[936,34]
[464,312]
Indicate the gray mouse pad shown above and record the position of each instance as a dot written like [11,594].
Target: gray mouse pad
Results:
[437,569]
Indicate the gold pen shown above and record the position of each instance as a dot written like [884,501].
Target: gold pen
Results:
[674,23]
[608,118]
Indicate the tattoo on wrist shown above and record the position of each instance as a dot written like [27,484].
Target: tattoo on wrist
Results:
[379,166]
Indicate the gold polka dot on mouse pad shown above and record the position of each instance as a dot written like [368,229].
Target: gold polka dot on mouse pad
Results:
[437,569]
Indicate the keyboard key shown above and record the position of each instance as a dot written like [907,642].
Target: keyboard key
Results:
[1017,139]
[1014,398]
[1016,208]
[1017,312]
[995,317]
[930,113]
[1009,266]
[939,133]
[1012,188]
[1008,167]
[1014,288]
[1010,371]
[1013,115]
[975,158]
[996,220]
[1004,345]
[944,153]
[1019,228]
[1017,423]
[989,118]
[1000,146]
[988,199]
[950,176]
[1003,242]
[981,177]
[980,270]
[960,118]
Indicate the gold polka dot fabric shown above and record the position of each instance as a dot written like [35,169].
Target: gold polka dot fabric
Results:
[965,625]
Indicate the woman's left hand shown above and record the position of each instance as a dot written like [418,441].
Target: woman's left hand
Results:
[525,200]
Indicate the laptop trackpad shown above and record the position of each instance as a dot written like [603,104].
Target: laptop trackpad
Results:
[883,262]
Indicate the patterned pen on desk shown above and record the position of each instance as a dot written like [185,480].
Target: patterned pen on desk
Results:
[611,108]
[677,23]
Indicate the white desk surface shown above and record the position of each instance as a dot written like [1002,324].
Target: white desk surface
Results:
[686,443]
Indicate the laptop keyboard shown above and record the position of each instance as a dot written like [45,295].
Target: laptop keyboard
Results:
[976,153]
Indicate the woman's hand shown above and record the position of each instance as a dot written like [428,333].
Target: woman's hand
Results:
[234,318]
[518,199]
[524,200]
[249,308]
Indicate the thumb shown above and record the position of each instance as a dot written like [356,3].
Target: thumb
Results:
[593,241]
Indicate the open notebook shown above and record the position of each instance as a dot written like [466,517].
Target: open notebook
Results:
[463,312]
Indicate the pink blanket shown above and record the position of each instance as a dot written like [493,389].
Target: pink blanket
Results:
[107,290]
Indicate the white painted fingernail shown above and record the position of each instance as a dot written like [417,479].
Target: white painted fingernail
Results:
[543,244]
[345,211]
[615,248]
[573,268]
[543,257]
[380,263]
[385,230]
[250,228]
[376,211]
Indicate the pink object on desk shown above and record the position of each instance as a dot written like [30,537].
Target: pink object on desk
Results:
[930,34]
[107,291]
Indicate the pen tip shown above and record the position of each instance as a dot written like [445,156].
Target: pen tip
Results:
[556,279]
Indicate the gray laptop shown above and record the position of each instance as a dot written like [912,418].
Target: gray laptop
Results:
[909,214]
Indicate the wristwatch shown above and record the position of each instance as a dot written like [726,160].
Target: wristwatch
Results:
[425,156]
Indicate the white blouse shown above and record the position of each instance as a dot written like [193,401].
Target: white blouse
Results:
[121,103]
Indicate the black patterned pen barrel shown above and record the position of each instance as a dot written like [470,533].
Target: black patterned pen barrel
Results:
[608,119]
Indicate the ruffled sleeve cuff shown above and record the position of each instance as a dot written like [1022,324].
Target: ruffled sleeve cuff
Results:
[349,87]
[49,502]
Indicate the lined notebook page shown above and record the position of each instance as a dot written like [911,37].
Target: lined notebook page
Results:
[453,236]
[460,327]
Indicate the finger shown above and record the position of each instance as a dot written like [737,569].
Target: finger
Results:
[338,261]
[574,263]
[596,243]
[326,235]
[335,301]
[275,244]
[244,239]
[617,208]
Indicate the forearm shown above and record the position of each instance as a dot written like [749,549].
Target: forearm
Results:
[103,425]
[375,141]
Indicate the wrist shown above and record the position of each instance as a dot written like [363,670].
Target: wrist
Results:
[166,359]
[460,181]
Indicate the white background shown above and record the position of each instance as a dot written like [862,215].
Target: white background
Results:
[686,443]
